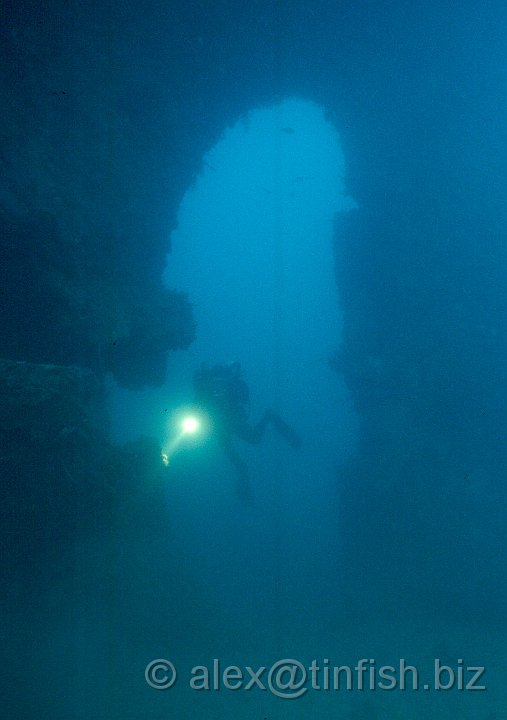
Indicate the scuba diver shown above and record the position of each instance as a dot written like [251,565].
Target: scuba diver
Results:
[222,393]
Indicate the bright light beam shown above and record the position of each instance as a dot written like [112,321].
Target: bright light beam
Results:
[189,426]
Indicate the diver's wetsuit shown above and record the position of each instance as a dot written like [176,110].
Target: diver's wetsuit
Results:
[223,394]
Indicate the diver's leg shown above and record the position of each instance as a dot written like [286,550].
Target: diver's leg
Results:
[243,475]
[286,431]
[253,434]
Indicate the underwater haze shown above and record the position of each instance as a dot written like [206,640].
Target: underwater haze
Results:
[253,360]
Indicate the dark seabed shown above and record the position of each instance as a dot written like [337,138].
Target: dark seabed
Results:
[253,360]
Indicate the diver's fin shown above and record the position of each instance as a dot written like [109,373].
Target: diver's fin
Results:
[285,430]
